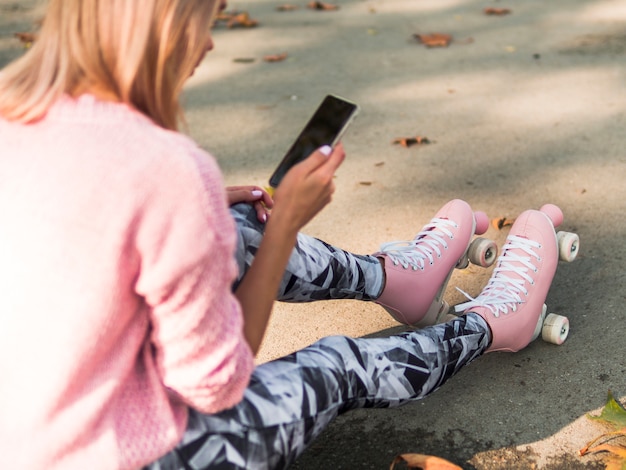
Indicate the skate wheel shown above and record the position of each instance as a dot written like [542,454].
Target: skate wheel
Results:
[568,246]
[555,329]
[555,214]
[482,222]
[482,252]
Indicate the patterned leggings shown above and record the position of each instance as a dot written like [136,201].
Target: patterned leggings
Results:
[291,400]
[316,270]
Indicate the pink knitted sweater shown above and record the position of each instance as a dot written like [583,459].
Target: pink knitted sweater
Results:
[116,261]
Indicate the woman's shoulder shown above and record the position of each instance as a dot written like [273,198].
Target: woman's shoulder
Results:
[128,137]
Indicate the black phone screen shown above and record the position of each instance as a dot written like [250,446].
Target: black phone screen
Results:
[324,128]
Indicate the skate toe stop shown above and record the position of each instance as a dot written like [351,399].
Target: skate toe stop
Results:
[555,214]
[482,222]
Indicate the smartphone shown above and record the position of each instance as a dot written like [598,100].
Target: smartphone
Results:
[325,127]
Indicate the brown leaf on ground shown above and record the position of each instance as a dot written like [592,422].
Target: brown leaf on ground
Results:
[409,141]
[317,5]
[612,442]
[243,20]
[424,462]
[237,19]
[434,39]
[500,222]
[496,11]
[275,57]
[26,38]
[286,7]
[616,458]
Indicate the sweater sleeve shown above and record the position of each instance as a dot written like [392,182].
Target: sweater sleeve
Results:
[186,246]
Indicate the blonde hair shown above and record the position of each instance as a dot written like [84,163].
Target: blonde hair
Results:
[138,52]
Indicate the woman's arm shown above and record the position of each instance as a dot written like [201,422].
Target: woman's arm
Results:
[304,192]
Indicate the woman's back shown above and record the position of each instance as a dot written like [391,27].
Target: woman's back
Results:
[102,213]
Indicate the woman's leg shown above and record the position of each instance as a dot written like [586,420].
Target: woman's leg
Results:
[408,278]
[291,400]
[316,270]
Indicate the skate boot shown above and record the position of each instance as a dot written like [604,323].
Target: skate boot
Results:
[513,302]
[417,271]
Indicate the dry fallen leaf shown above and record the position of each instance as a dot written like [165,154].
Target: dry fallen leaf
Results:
[243,20]
[286,7]
[409,141]
[434,39]
[275,57]
[612,442]
[496,11]
[26,38]
[424,462]
[237,19]
[500,222]
[317,5]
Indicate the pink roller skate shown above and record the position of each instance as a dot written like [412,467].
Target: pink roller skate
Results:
[513,302]
[418,271]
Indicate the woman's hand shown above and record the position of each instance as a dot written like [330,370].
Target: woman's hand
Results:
[308,187]
[257,197]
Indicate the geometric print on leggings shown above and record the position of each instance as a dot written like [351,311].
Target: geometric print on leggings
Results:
[316,270]
[291,400]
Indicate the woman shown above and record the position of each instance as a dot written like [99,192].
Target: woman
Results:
[123,341]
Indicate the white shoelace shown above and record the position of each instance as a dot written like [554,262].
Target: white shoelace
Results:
[503,292]
[425,246]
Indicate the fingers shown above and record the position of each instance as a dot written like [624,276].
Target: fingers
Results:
[335,159]
[325,160]
[316,173]
[262,212]
[263,197]
[259,198]
[249,194]
[308,187]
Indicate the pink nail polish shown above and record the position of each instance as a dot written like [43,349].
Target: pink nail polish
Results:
[326,150]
